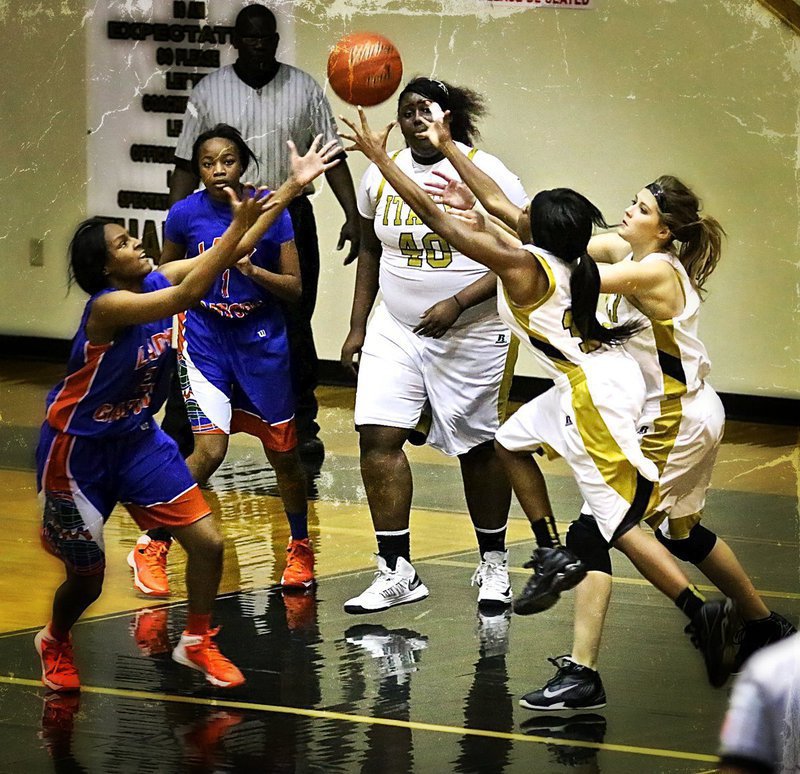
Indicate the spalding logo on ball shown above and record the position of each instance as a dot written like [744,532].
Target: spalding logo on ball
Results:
[364,68]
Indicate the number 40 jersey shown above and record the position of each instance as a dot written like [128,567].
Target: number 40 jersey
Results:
[418,267]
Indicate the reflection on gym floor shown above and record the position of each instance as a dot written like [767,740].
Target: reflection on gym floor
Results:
[428,687]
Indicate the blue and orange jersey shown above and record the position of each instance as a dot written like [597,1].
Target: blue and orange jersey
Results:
[112,388]
[196,223]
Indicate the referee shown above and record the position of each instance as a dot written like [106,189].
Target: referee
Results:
[270,102]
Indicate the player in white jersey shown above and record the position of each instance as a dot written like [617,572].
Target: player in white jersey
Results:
[662,255]
[549,291]
[435,346]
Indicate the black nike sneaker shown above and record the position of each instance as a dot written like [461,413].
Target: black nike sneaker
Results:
[573,687]
[555,570]
[712,631]
[755,635]
[583,727]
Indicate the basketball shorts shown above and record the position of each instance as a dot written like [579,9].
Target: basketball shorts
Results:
[235,377]
[590,418]
[682,436]
[462,379]
[80,480]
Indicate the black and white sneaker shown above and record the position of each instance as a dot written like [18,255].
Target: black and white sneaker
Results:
[399,586]
[396,651]
[491,578]
[573,687]
[555,570]
[583,727]
[493,631]
[755,635]
[712,631]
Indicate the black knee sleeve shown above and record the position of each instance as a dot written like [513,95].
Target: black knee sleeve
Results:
[694,548]
[586,542]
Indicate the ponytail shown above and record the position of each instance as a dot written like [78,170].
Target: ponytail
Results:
[561,223]
[699,250]
[699,236]
[584,285]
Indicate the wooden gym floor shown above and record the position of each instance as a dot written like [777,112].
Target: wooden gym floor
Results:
[429,687]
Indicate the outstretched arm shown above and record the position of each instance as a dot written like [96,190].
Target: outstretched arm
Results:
[521,275]
[489,194]
[608,248]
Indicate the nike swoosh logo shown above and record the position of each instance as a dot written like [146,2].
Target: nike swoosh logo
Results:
[548,694]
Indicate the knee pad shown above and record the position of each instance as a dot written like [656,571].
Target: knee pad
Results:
[694,548]
[586,542]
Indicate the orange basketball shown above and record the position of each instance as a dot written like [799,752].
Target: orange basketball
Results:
[364,68]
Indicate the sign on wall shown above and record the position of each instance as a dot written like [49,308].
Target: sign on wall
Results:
[577,4]
[143,58]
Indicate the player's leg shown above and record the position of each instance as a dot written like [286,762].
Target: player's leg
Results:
[264,406]
[488,496]
[555,568]
[157,489]
[291,478]
[689,456]
[387,480]
[196,649]
[577,683]
[70,475]
[389,401]
[465,415]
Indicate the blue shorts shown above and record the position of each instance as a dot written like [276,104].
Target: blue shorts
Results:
[235,376]
[81,479]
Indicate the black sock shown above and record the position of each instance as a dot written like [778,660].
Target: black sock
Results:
[546,532]
[394,544]
[689,601]
[159,533]
[491,539]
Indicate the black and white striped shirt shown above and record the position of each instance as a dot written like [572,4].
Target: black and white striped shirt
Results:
[291,106]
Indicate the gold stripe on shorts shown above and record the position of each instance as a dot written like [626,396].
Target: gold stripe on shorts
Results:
[609,459]
[508,375]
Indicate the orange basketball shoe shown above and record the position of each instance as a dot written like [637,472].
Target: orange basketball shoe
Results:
[299,572]
[150,630]
[301,609]
[59,672]
[200,652]
[148,560]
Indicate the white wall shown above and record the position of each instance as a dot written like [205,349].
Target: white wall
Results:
[601,100]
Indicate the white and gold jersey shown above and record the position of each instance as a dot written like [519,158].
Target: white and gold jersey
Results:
[546,328]
[673,360]
[418,267]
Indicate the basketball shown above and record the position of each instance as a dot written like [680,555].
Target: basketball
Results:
[364,68]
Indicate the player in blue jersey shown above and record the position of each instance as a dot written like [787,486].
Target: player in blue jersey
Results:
[234,352]
[99,444]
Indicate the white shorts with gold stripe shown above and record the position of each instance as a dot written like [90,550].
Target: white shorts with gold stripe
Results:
[590,419]
[682,436]
[462,379]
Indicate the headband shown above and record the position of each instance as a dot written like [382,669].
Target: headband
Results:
[658,195]
[433,90]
